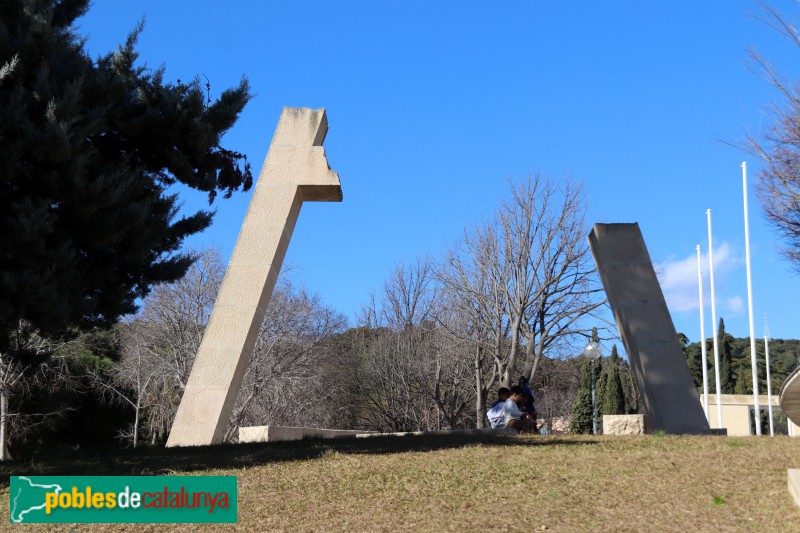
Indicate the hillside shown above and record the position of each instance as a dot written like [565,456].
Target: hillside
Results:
[784,356]
[481,483]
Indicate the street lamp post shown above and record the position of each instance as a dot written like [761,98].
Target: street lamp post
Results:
[592,351]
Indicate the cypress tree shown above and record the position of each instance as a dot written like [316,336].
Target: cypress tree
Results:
[601,384]
[88,151]
[581,420]
[614,397]
[725,359]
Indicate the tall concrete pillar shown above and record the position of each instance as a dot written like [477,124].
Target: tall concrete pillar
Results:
[295,170]
[670,399]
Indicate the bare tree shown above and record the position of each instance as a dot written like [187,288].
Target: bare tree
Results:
[394,354]
[778,145]
[523,280]
[473,285]
[408,295]
[556,385]
[413,375]
[413,309]
[11,381]
[283,381]
[158,348]
[451,380]
[563,287]
[39,363]
[131,381]
[393,396]
[177,314]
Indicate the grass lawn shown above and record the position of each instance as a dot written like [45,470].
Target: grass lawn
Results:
[474,483]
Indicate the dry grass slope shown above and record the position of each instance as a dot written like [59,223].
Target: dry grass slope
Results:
[479,483]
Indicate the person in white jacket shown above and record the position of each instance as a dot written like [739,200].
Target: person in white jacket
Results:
[514,417]
[496,414]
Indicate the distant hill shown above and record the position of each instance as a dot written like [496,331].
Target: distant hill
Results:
[737,374]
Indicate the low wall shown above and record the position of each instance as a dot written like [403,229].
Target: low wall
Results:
[736,413]
[282,433]
[486,431]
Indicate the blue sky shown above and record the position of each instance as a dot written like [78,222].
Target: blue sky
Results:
[432,106]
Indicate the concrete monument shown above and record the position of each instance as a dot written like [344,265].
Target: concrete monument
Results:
[790,396]
[670,399]
[789,400]
[295,170]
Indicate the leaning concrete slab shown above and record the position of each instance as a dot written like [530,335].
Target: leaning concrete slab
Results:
[670,399]
[295,170]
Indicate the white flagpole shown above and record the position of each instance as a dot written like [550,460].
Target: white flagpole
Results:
[703,334]
[714,321]
[753,355]
[769,387]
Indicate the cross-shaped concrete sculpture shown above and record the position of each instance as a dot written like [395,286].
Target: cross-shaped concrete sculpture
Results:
[294,171]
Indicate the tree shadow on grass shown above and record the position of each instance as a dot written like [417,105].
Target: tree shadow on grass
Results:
[160,460]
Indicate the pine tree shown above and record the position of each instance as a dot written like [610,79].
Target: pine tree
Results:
[581,420]
[88,151]
[614,397]
[693,359]
[743,384]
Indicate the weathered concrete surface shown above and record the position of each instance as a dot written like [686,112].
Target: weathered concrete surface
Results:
[295,170]
[793,475]
[789,398]
[283,433]
[624,425]
[670,398]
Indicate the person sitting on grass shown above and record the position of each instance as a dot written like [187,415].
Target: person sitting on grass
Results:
[513,415]
[496,415]
[530,408]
